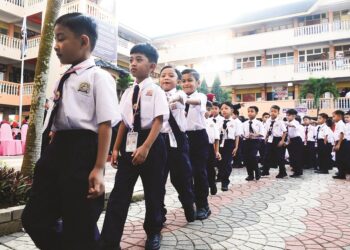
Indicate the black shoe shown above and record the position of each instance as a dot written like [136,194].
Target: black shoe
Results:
[190,213]
[321,172]
[295,175]
[213,190]
[203,213]
[153,242]
[339,177]
[281,175]
[265,173]
[224,188]
[250,178]
[257,174]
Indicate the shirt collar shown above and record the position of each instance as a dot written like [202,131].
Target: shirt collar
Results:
[81,67]
[192,94]
[171,92]
[145,83]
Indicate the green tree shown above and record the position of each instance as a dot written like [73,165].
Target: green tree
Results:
[123,83]
[221,95]
[203,88]
[318,87]
[33,143]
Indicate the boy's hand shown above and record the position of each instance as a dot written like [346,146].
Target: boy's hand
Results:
[234,152]
[114,159]
[96,183]
[325,141]
[140,155]
[218,156]
[336,147]
[281,144]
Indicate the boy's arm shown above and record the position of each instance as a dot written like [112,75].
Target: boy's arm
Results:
[193,101]
[96,182]
[141,153]
[341,138]
[236,146]
[280,144]
[117,144]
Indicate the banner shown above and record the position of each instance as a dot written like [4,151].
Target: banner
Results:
[280,92]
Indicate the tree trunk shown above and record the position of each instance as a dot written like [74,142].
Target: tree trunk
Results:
[33,143]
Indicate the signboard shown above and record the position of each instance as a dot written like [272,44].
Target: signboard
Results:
[280,92]
[106,46]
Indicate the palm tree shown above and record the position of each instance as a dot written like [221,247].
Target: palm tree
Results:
[318,87]
[33,143]
[123,83]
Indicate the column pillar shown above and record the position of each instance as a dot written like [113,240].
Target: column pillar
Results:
[331,52]
[263,58]
[263,93]
[233,95]
[296,91]
[11,30]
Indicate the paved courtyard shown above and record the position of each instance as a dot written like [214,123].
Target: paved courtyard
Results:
[308,213]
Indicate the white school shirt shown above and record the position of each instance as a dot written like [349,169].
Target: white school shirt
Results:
[153,104]
[296,131]
[218,119]
[322,131]
[212,130]
[89,98]
[258,128]
[339,128]
[233,129]
[347,131]
[196,113]
[278,128]
[177,110]
[311,133]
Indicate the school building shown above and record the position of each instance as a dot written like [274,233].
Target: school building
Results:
[111,54]
[264,58]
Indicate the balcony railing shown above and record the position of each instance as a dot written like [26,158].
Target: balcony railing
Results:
[10,42]
[15,2]
[342,103]
[11,88]
[324,65]
[322,28]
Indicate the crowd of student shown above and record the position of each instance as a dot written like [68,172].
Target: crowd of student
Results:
[161,131]
[15,127]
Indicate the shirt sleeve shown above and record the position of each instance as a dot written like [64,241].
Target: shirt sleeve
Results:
[161,106]
[262,131]
[283,127]
[106,100]
[203,100]
[239,130]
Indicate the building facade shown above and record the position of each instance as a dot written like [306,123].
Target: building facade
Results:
[267,56]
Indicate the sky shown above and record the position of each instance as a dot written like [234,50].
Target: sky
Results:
[156,18]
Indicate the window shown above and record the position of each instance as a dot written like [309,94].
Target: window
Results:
[248,62]
[313,19]
[239,64]
[248,97]
[258,96]
[280,59]
[3,31]
[238,97]
[313,54]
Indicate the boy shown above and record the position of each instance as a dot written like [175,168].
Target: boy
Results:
[214,155]
[68,178]
[295,143]
[322,144]
[253,131]
[178,160]
[309,154]
[195,108]
[347,139]
[339,148]
[262,144]
[237,159]
[229,141]
[275,138]
[142,150]
[215,113]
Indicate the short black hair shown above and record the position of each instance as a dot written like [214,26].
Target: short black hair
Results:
[292,112]
[307,117]
[276,107]
[265,113]
[323,115]
[177,72]
[193,72]
[216,104]
[80,24]
[255,108]
[339,112]
[236,112]
[347,113]
[147,50]
[298,118]
[329,122]
[209,104]
[227,104]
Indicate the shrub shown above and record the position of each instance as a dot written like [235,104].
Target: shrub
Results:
[14,187]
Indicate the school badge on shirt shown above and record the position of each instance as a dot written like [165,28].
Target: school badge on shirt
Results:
[84,87]
[149,92]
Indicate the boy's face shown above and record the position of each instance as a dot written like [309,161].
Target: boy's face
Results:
[251,113]
[320,120]
[189,84]
[207,114]
[226,111]
[140,66]
[347,118]
[306,121]
[168,79]
[290,117]
[215,111]
[70,48]
[336,118]
[265,118]
[274,113]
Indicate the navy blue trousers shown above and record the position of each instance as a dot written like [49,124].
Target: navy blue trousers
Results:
[341,158]
[295,149]
[212,163]
[225,166]
[275,156]
[199,148]
[250,150]
[152,175]
[59,191]
[309,155]
[324,155]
